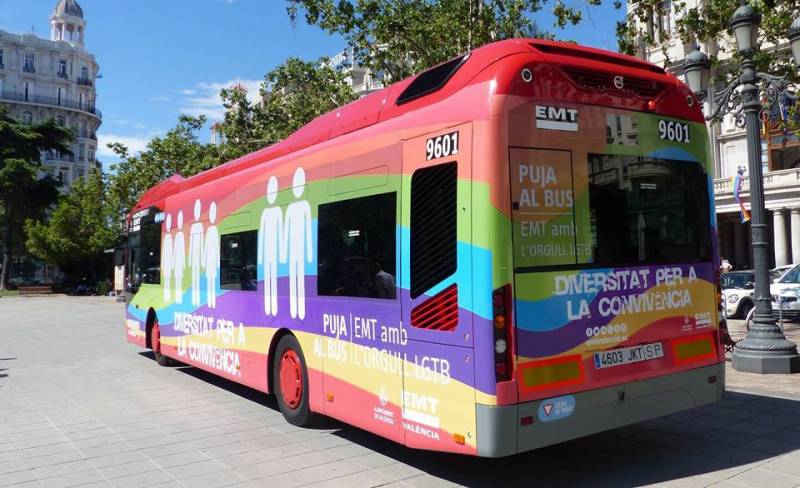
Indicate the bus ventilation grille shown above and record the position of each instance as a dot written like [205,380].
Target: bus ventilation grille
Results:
[433,226]
[439,312]
[598,80]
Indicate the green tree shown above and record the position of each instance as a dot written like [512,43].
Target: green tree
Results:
[400,38]
[80,229]
[292,94]
[295,93]
[177,152]
[242,136]
[24,192]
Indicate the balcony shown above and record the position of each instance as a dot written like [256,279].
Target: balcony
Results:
[52,101]
[87,134]
[63,75]
[781,189]
[28,69]
[84,81]
[59,157]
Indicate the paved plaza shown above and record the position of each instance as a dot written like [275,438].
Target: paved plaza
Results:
[81,407]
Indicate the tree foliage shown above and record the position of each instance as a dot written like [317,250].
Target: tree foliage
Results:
[707,24]
[177,152]
[25,193]
[400,38]
[291,95]
[80,229]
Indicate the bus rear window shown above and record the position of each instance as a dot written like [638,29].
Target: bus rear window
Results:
[645,209]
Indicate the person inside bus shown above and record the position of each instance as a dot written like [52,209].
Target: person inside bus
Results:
[383,282]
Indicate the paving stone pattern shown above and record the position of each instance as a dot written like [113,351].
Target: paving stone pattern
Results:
[81,407]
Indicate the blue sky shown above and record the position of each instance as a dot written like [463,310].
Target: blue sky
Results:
[160,58]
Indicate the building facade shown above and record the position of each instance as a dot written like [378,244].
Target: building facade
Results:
[780,153]
[42,79]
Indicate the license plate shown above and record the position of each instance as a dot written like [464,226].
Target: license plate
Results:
[628,355]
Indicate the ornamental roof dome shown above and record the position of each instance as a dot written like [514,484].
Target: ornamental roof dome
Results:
[68,7]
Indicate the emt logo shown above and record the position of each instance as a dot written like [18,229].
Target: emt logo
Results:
[556,118]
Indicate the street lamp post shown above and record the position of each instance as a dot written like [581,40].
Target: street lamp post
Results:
[764,349]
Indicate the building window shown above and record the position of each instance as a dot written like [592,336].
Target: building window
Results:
[63,176]
[1,59]
[62,69]
[80,101]
[91,155]
[28,91]
[84,72]
[81,151]
[29,63]
[357,242]
[27,117]
[664,17]
[60,120]
[238,267]
[60,92]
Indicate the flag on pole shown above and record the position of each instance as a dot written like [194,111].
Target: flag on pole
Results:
[738,180]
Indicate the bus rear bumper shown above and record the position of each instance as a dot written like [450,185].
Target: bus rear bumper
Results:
[500,429]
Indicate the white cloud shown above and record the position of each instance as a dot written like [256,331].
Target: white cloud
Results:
[206,101]
[161,98]
[134,144]
[188,92]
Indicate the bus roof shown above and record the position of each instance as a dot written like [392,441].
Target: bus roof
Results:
[382,105]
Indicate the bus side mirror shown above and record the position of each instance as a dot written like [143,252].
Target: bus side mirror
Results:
[119,256]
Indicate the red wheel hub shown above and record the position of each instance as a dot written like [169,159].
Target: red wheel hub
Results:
[155,339]
[291,378]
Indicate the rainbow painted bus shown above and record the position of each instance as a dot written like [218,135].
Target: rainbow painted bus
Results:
[509,250]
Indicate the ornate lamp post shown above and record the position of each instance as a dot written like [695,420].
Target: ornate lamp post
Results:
[764,349]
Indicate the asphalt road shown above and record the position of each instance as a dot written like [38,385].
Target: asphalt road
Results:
[81,407]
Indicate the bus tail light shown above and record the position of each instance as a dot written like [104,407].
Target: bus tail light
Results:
[503,334]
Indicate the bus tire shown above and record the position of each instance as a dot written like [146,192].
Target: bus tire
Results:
[290,377]
[155,343]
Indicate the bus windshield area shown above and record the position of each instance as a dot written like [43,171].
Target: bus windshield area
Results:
[644,209]
[144,255]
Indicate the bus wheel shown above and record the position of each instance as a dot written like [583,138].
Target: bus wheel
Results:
[291,381]
[155,342]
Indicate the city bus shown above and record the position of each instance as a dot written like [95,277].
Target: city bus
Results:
[512,249]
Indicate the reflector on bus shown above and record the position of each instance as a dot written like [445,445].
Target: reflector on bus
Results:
[693,349]
[552,373]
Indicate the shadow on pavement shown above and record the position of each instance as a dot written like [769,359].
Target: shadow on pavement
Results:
[737,431]
[256,396]
[741,429]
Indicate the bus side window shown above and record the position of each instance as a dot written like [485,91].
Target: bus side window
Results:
[357,243]
[434,213]
[150,254]
[238,261]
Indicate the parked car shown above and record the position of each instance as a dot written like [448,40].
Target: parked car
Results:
[776,273]
[737,293]
[787,289]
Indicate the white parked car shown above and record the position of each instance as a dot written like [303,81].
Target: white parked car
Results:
[776,273]
[787,289]
[737,293]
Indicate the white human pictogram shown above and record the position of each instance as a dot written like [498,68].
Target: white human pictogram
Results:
[297,243]
[211,257]
[179,258]
[167,261]
[270,237]
[196,252]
